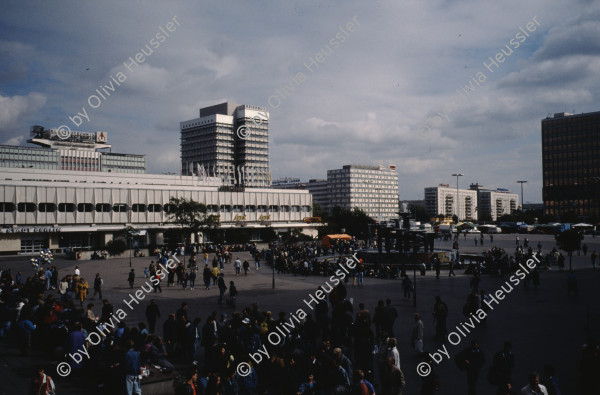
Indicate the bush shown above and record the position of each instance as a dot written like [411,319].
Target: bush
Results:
[116,247]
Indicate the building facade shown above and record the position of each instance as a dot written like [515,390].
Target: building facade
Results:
[443,200]
[60,209]
[80,151]
[373,189]
[495,203]
[228,141]
[318,189]
[571,164]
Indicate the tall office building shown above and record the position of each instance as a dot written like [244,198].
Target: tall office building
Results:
[78,151]
[373,189]
[229,141]
[571,164]
[442,200]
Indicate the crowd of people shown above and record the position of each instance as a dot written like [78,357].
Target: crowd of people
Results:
[343,348]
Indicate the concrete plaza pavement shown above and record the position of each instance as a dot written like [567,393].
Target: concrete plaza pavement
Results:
[545,326]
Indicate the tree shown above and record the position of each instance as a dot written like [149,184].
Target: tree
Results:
[188,214]
[116,247]
[269,234]
[569,241]
[485,217]
[318,211]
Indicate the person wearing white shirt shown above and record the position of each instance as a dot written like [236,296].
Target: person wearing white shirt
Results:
[77,272]
[392,351]
[534,387]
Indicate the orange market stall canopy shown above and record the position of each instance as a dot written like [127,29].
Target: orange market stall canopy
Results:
[326,240]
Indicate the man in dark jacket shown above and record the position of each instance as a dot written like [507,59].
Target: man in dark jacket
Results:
[222,287]
[392,378]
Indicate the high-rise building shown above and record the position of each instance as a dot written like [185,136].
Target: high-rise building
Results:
[495,202]
[229,141]
[78,151]
[373,189]
[571,164]
[442,200]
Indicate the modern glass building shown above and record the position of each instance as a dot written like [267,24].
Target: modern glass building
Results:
[571,164]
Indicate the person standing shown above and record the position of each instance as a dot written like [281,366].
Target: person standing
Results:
[42,383]
[131,278]
[206,275]
[407,286]
[215,274]
[81,290]
[361,273]
[502,366]
[232,293]
[152,315]
[98,286]
[472,359]
[133,369]
[237,265]
[440,313]
[222,287]
[390,315]
[192,279]
[107,310]
[594,257]
[418,334]
[392,378]
[534,387]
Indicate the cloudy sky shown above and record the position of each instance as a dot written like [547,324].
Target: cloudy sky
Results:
[372,100]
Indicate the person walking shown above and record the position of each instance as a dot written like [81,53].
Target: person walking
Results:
[222,287]
[131,278]
[232,293]
[594,257]
[192,279]
[98,282]
[418,334]
[206,275]
[152,315]
[246,266]
[184,278]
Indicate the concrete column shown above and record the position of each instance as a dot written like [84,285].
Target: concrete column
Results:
[160,238]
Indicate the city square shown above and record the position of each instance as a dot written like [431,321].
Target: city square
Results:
[553,335]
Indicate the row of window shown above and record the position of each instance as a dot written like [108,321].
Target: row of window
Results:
[141,208]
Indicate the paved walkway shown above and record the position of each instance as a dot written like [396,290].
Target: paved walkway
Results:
[545,326]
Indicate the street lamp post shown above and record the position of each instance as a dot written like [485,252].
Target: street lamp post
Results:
[522,182]
[415,283]
[130,247]
[457,204]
